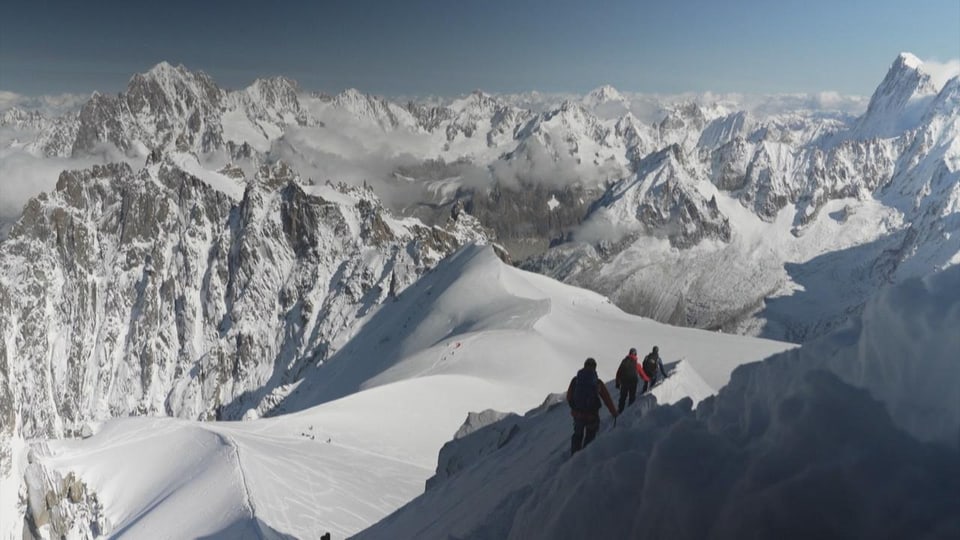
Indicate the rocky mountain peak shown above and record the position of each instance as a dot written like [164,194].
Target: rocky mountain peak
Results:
[374,109]
[476,103]
[898,104]
[274,99]
[173,85]
[274,86]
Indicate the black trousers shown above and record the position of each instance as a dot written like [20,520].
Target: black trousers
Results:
[584,431]
[628,390]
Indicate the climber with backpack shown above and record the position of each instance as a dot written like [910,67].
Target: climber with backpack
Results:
[628,375]
[584,396]
[651,367]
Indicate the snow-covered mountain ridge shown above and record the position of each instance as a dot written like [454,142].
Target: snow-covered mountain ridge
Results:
[174,290]
[833,211]
[360,434]
[814,442]
[543,173]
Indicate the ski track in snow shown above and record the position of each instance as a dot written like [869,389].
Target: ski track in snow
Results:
[247,497]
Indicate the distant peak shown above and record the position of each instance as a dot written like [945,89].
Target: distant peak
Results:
[480,95]
[351,93]
[605,93]
[164,67]
[165,71]
[273,82]
[907,72]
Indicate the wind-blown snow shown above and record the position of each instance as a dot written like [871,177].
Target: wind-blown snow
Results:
[473,334]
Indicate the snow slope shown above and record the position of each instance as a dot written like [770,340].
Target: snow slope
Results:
[854,435]
[362,434]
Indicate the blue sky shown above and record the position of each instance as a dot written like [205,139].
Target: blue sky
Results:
[450,47]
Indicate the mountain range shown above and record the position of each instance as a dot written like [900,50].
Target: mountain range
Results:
[254,253]
[642,211]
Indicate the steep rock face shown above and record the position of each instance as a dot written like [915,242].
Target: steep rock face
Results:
[664,202]
[167,106]
[151,292]
[429,117]
[58,137]
[273,100]
[483,116]
[173,108]
[638,138]
[722,130]
[848,170]
[374,109]
[682,125]
[898,104]
[926,185]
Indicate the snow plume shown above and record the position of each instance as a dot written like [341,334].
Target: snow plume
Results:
[52,105]
[941,72]
[602,227]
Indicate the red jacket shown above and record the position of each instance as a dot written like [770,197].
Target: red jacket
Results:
[636,365]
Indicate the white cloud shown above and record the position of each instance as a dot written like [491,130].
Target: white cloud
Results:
[941,72]
[49,105]
[24,176]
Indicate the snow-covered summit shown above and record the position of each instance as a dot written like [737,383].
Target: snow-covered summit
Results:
[898,104]
[373,109]
[606,102]
[603,94]
[909,60]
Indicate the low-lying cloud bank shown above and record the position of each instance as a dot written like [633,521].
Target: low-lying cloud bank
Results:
[49,105]
[24,175]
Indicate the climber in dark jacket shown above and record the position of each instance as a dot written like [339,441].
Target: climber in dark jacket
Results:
[652,367]
[628,375]
[584,396]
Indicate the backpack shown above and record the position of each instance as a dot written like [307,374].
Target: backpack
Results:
[627,371]
[584,396]
[650,365]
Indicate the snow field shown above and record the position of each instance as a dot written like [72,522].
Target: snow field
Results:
[482,335]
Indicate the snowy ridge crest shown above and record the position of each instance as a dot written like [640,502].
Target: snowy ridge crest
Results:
[751,461]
